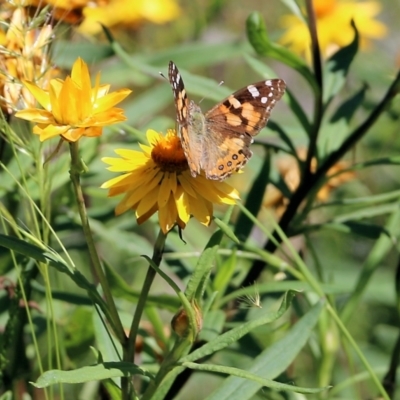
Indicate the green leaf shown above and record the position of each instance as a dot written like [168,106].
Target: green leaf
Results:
[298,111]
[224,275]
[227,338]
[203,267]
[226,229]
[283,135]
[254,200]
[260,67]
[213,325]
[369,231]
[294,8]
[242,374]
[121,289]
[272,361]
[66,52]
[51,258]
[337,68]
[347,109]
[258,37]
[98,372]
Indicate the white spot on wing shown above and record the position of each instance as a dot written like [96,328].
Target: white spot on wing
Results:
[253,90]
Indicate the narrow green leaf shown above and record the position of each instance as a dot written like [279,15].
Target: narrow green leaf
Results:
[260,67]
[121,289]
[294,8]
[54,260]
[98,372]
[235,334]
[258,37]
[337,68]
[272,361]
[254,200]
[204,265]
[91,54]
[369,231]
[298,111]
[224,275]
[113,390]
[347,109]
[283,135]
[213,325]
[242,374]
[226,229]
[283,286]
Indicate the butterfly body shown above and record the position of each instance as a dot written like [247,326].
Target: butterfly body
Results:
[218,141]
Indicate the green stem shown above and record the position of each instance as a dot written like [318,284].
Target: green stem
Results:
[358,351]
[318,109]
[111,311]
[129,348]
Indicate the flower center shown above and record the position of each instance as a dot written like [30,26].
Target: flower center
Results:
[323,7]
[168,154]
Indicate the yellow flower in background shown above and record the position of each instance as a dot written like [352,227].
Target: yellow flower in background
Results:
[334,26]
[128,13]
[72,107]
[158,179]
[289,171]
[110,13]
[24,56]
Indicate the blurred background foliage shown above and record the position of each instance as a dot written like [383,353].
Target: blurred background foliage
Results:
[348,236]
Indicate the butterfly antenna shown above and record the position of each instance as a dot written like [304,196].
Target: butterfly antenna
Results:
[219,84]
[162,75]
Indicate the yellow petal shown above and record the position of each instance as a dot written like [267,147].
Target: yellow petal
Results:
[36,115]
[110,100]
[40,95]
[201,209]
[147,202]
[182,205]
[167,216]
[69,104]
[164,190]
[50,131]
[152,137]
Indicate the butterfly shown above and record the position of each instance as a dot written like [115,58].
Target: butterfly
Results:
[218,141]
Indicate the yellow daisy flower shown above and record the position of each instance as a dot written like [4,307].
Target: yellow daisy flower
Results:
[333,26]
[73,108]
[158,179]
[128,13]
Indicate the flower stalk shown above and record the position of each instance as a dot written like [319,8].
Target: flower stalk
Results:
[129,348]
[112,315]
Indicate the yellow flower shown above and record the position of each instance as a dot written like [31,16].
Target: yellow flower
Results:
[158,179]
[289,171]
[24,56]
[127,12]
[72,108]
[333,26]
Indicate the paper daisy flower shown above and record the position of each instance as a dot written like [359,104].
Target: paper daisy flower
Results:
[158,179]
[334,26]
[24,55]
[73,108]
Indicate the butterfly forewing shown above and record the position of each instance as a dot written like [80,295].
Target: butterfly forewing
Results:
[182,106]
[248,109]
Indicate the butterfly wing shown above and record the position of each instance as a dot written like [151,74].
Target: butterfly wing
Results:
[191,141]
[232,124]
